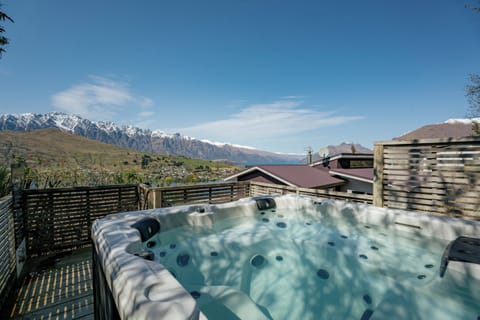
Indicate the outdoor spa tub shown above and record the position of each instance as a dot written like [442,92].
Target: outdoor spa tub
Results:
[285,257]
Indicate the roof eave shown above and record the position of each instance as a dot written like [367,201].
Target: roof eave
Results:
[341,174]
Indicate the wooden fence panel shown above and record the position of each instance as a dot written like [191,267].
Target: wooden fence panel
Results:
[260,189]
[192,194]
[438,176]
[7,247]
[207,193]
[59,220]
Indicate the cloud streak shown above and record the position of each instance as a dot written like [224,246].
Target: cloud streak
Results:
[267,121]
[99,98]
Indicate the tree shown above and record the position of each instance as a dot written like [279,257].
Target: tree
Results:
[3,40]
[474,8]
[5,182]
[473,96]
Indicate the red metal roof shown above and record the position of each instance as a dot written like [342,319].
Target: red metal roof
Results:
[303,176]
[362,173]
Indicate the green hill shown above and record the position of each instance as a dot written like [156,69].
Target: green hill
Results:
[56,158]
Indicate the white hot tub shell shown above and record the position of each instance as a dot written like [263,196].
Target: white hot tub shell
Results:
[144,289]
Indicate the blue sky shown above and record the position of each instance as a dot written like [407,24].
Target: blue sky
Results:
[276,75]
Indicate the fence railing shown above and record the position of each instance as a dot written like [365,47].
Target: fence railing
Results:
[191,194]
[59,220]
[432,175]
[225,192]
[7,247]
[259,188]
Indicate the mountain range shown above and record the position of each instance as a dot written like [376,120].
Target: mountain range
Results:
[144,140]
[452,128]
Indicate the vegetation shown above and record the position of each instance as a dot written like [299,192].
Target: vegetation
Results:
[473,95]
[57,159]
[3,40]
[5,185]
[473,7]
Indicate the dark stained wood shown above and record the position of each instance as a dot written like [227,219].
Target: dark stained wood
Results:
[7,247]
[61,291]
[59,220]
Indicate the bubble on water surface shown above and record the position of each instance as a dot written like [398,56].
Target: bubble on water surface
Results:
[374,248]
[344,236]
[421,276]
[279,258]
[172,246]
[429,266]
[362,256]
[195,294]
[265,220]
[214,253]
[323,274]
[162,254]
[331,243]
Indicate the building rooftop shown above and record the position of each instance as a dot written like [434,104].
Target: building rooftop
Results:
[303,176]
[362,174]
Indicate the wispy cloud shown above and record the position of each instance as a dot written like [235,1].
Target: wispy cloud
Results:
[267,121]
[99,98]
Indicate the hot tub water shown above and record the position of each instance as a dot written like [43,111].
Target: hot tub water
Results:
[287,258]
[281,264]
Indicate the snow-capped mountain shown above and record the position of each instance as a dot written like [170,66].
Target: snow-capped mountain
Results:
[451,128]
[143,140]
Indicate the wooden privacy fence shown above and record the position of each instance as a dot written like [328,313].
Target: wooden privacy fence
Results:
[59,220]
[432,175]
[259,189]
[7,247]
[191,194]
[225,192]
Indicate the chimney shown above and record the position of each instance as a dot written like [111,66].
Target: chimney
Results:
[309,156]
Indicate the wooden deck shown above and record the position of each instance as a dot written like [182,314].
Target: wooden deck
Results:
[58,289]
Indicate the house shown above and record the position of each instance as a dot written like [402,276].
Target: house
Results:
[294,175]
[345,172]
[356,169]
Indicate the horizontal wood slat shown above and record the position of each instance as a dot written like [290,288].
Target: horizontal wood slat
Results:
[440,176]
[7,246]
[259,188]
[59,220]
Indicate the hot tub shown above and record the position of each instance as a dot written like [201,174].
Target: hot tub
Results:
[285,257]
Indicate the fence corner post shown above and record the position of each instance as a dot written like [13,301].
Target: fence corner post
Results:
[378,162]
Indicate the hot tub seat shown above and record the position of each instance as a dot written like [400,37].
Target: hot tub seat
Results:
[225,302]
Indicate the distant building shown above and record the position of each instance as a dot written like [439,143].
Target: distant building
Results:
[356,169]
[345,172]
[301,175]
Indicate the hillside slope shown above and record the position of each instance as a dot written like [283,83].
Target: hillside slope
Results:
[54,152]
[143,140]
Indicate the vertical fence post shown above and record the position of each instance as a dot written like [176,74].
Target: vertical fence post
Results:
[89,221]
[378,157]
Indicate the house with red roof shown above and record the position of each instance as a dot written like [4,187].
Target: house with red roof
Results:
[354,168]
[343,172]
